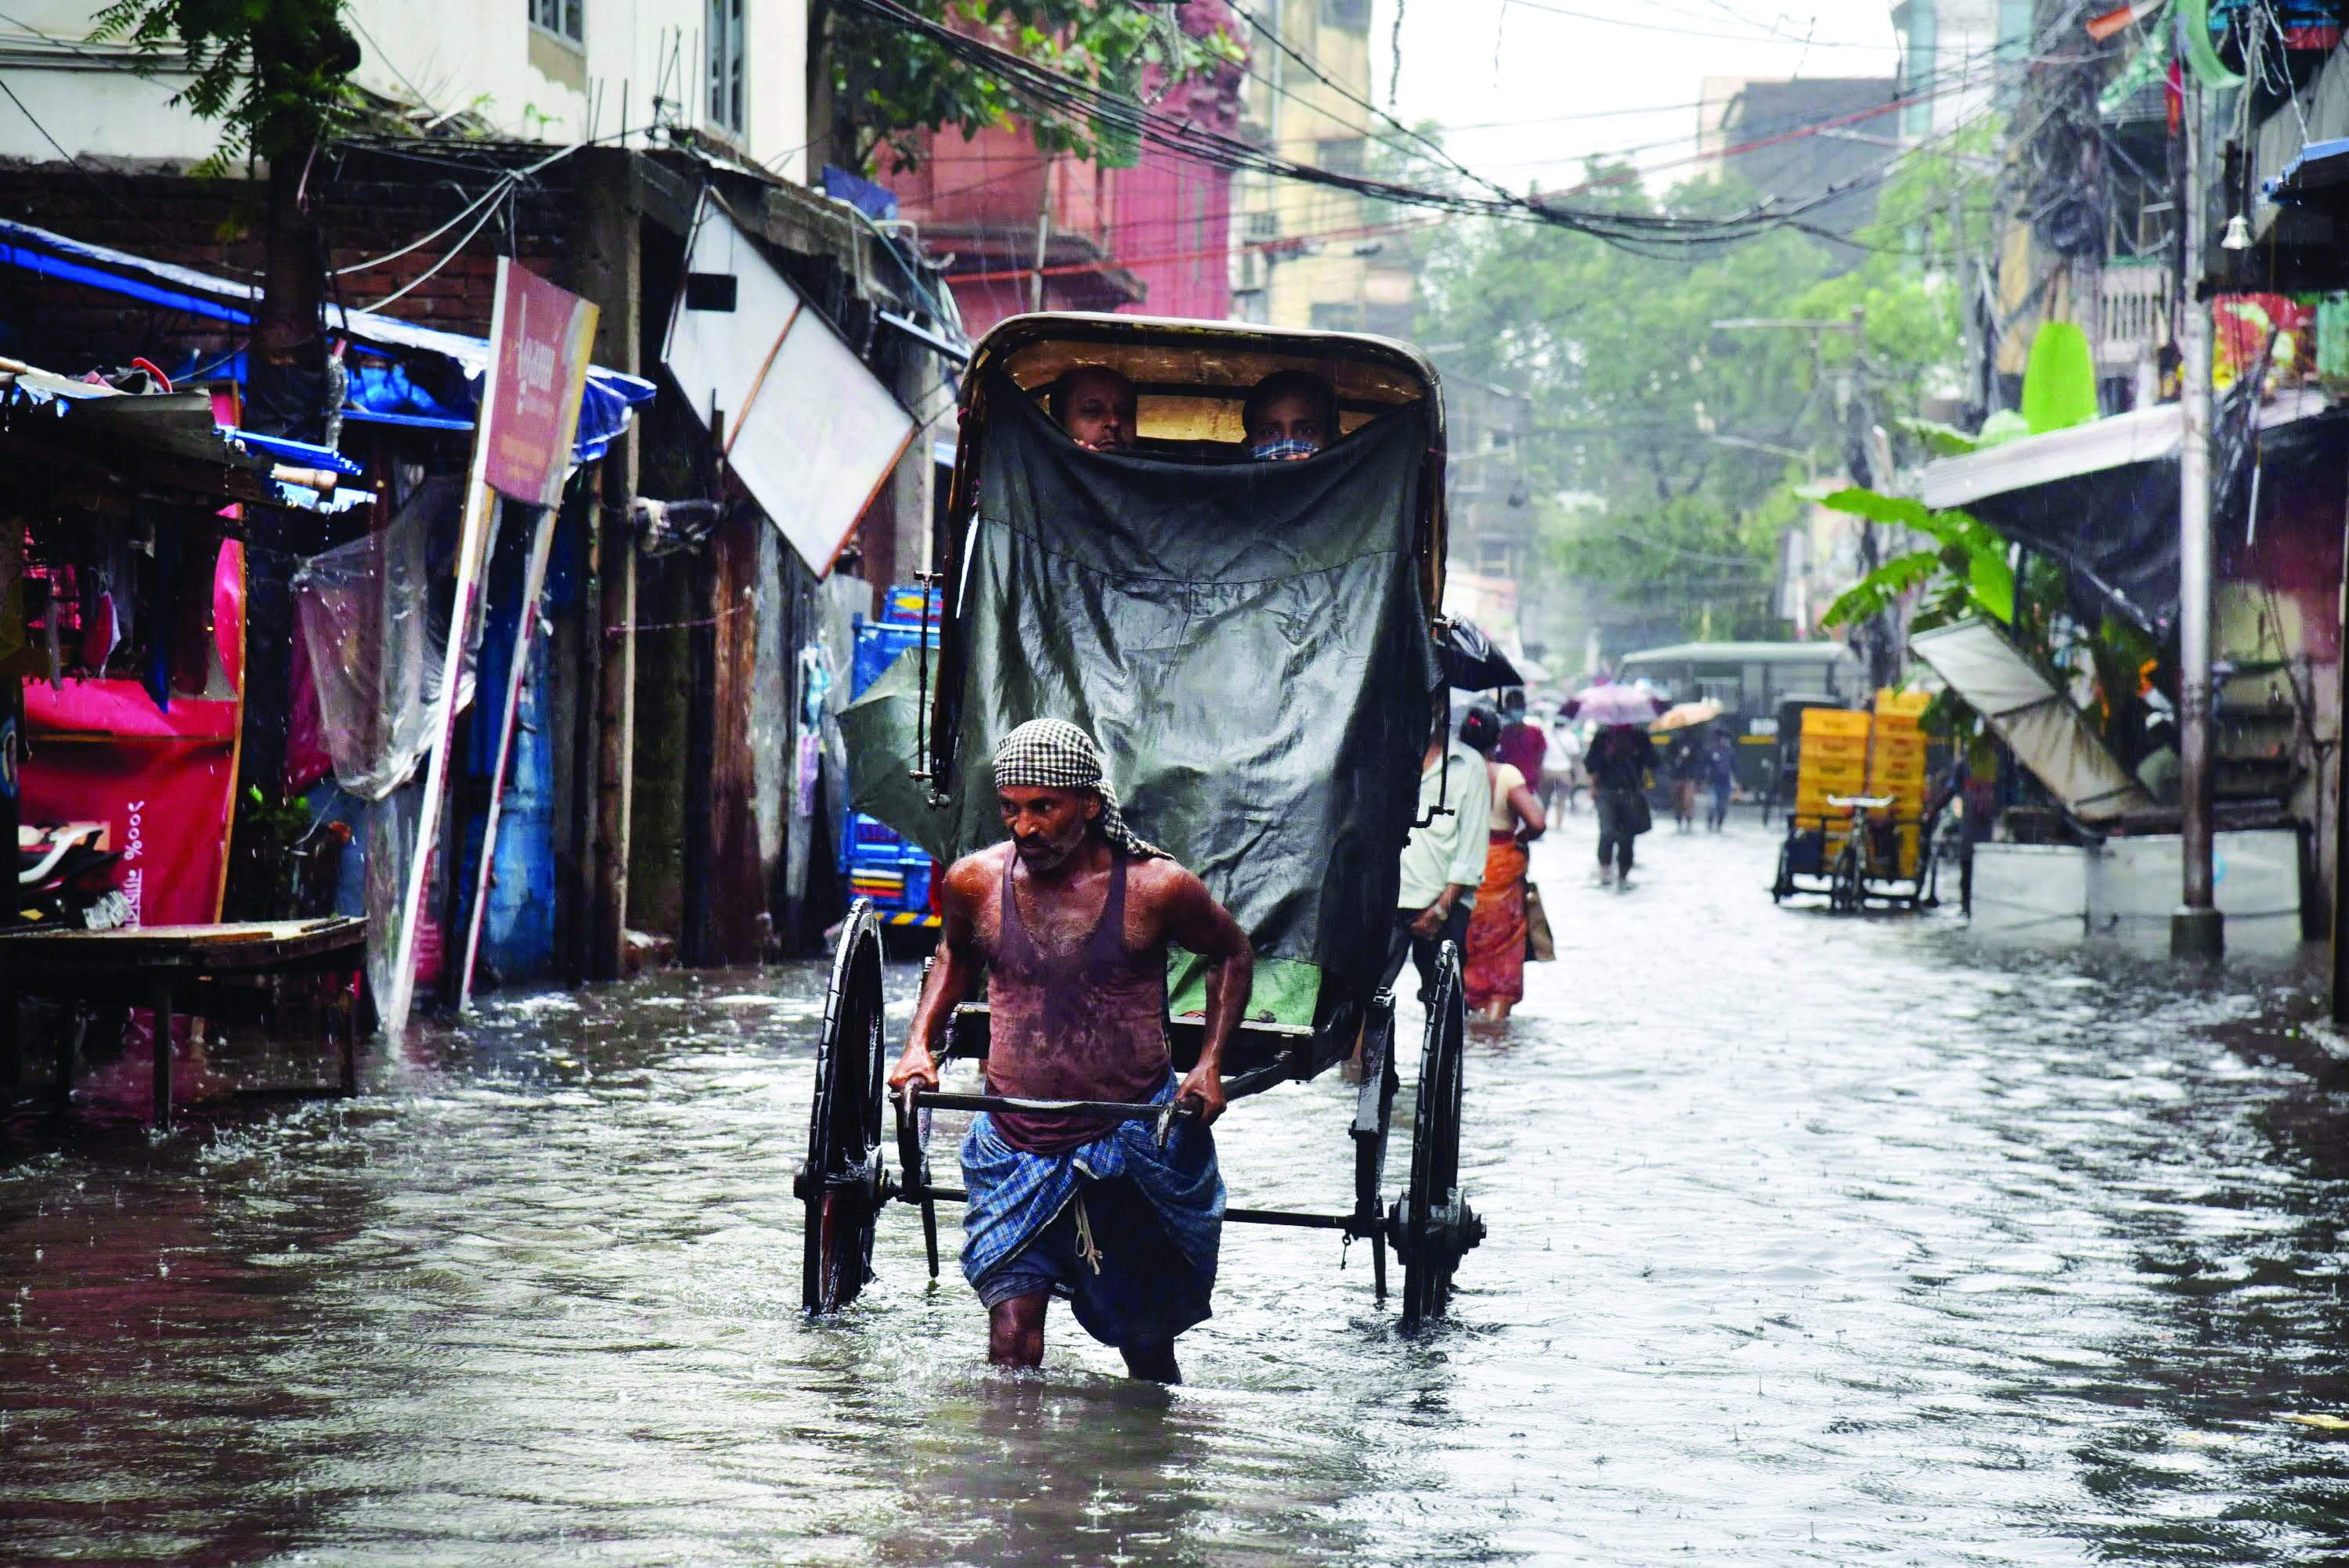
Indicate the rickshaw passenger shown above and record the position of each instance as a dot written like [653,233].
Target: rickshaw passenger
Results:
[1288,416]
[1070,921]
[1444,857]
[1095,405]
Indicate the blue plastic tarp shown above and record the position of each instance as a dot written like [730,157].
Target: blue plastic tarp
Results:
[431,378]
[2317,172]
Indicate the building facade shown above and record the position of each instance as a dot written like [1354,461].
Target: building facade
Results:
[678,774]
[1017,229]
[1309,255]
[557,71]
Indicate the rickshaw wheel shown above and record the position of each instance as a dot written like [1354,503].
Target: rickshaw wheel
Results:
[1432,1224]
[1374,1119]
[842,1185]
[1847,895]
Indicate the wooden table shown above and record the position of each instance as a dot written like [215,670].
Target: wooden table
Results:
[167,961]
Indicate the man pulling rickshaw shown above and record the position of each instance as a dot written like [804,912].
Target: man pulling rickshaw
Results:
[1070,919]
[1216,551]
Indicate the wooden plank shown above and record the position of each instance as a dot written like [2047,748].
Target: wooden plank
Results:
[616,759]
[607,267]
[735,890]
[30,956]
[533,583]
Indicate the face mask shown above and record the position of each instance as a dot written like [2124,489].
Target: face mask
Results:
[1282,452]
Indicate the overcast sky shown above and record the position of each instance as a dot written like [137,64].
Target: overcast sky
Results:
[1565,86]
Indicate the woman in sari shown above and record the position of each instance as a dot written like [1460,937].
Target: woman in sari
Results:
[1495,959]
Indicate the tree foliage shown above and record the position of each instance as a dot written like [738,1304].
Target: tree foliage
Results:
[1965,571]
[892,87]
[273,74]
[1673,444]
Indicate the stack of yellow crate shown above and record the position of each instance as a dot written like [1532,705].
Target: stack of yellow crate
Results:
[1833,760]
[1896,765]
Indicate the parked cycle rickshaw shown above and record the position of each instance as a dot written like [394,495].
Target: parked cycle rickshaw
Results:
[1857,851]
[1254,645]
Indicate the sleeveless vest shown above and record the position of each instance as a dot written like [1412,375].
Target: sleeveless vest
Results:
[1089,1024]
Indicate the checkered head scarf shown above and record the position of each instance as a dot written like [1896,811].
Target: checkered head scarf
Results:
[1054,754]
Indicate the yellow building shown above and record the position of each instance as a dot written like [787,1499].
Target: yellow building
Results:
[1301,254]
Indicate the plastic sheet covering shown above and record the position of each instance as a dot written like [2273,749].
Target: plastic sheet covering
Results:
[2040,724]
[2101,499]
[375,633]
[1246,641]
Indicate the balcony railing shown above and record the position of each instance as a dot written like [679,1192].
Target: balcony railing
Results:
[2133,314]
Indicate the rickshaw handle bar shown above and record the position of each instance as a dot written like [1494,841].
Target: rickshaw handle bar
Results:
[935,1100]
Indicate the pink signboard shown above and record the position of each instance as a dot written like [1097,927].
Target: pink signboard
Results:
[531,407]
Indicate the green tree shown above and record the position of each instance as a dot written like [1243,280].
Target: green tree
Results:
[273,75]
[1679,442]
[891,87]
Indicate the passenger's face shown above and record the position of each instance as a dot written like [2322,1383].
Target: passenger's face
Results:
[1294,415]
[1047,826]
[1098,412]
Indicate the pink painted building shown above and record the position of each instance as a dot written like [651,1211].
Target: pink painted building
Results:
[1150,240]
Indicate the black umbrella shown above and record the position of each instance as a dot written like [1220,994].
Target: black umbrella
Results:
[1471,660]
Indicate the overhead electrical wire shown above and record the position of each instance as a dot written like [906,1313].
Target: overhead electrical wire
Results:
[1053,97]
[1874,172]
[1955,78]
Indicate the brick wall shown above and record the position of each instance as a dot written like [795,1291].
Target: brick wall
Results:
[369,205]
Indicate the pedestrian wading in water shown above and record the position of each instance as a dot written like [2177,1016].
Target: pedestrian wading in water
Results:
[1618,761]
[1495,976]
[1070,921]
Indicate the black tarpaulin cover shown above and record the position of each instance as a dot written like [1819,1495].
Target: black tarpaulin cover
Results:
[2116,530]
[1246,640]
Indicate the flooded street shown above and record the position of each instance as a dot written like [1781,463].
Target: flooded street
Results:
[1813,1241]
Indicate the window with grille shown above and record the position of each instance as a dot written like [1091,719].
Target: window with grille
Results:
[726,63]
[564,18]
[1341,156]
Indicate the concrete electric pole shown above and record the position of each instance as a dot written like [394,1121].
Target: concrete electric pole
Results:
[2197,930]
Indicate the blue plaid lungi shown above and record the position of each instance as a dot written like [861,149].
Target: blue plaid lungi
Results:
[1155,1215]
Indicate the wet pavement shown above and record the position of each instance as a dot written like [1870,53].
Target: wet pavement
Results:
[1813,1241]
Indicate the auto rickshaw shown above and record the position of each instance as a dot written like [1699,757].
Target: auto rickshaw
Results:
[1256,647]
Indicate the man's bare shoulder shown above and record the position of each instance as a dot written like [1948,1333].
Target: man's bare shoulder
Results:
[1160,880]
[974,876]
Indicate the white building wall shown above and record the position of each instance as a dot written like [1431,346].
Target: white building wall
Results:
[451,57]
[1954,51]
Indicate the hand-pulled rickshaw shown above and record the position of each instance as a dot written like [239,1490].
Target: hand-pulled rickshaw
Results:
[1254,646]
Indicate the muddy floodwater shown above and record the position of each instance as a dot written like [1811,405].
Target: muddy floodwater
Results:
[1814,1241]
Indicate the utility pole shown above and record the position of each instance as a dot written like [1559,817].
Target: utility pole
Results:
[2197,930]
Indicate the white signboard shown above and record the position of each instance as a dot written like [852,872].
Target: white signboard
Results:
[811,432]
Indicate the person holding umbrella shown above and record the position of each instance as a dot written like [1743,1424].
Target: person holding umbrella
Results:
[1617,762]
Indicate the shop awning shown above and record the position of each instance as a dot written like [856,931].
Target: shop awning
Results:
[2101,498]
[809,430]
[431,378]
[2037,722]
[159,442]
[2318,175]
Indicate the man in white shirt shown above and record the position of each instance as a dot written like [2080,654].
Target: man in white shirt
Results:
[1443,862]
